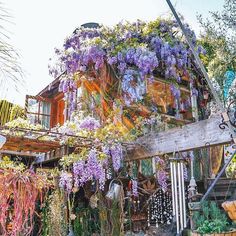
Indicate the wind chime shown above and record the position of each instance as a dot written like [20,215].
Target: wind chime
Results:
[178,193]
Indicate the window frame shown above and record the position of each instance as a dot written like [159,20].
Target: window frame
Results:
[40,100]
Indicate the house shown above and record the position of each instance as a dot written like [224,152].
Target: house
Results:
[98,91]
[139,76]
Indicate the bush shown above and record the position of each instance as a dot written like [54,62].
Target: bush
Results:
[210,219]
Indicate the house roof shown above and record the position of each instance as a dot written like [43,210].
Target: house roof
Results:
[50,89]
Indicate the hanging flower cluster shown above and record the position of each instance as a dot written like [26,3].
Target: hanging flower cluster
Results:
[69,88]
[91,164]
[161,174]
[136,52]
[66,181]
[135,187]
[92,169]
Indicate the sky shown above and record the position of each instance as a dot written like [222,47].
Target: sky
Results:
[41,25]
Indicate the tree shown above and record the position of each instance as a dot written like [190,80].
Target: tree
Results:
[9,64]
[219,39]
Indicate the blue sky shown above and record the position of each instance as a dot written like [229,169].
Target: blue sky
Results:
[41,25]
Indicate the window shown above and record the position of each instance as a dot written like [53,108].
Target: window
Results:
[38,110]
[160,98]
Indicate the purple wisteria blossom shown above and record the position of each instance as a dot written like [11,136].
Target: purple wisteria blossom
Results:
[89,123]
[135,57]
[175,91]
[117,156]
[162,179]
[90,170]
[66,181]
[134,187]
[161,174]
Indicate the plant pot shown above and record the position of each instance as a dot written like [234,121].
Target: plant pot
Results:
[231,233]
[230,208]
[194,233]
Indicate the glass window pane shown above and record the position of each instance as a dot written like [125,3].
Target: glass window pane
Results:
[45,108]
[44,121]
[161,96]
[32,118]
[33,105]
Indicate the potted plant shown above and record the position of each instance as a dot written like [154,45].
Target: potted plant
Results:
[211,221]
[230,208]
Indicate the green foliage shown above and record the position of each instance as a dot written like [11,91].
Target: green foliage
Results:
[231,168]
[211,219]
[86,222]
[219,39]
[17,111]
[54,218]
[78,227]
[115,219]
[5,110]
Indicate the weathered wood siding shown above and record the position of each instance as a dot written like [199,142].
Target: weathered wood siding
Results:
[191,136]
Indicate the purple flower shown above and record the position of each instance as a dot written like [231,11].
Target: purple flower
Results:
[161,174]
[135,187]
[95,169]
[122,66]
[78,167]
[117,156]
[65,87]
[162,179]
[92,169]
[60,88]
[90,123]
[66,181]
[194,92]
[175,91]
[112,60]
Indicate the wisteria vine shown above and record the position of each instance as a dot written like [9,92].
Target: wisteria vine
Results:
[136,51]
[92,163]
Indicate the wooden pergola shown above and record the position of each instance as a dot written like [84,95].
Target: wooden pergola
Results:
[19,144]
[33,143]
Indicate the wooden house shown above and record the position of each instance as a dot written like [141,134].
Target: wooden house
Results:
[97,91]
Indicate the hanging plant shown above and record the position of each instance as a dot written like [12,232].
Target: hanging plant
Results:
[56,215]
[19,193]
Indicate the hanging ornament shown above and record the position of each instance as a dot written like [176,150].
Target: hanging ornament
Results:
[160,208]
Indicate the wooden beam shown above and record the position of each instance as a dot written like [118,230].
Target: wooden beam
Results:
[26,154]
[188,137]
[15,143]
